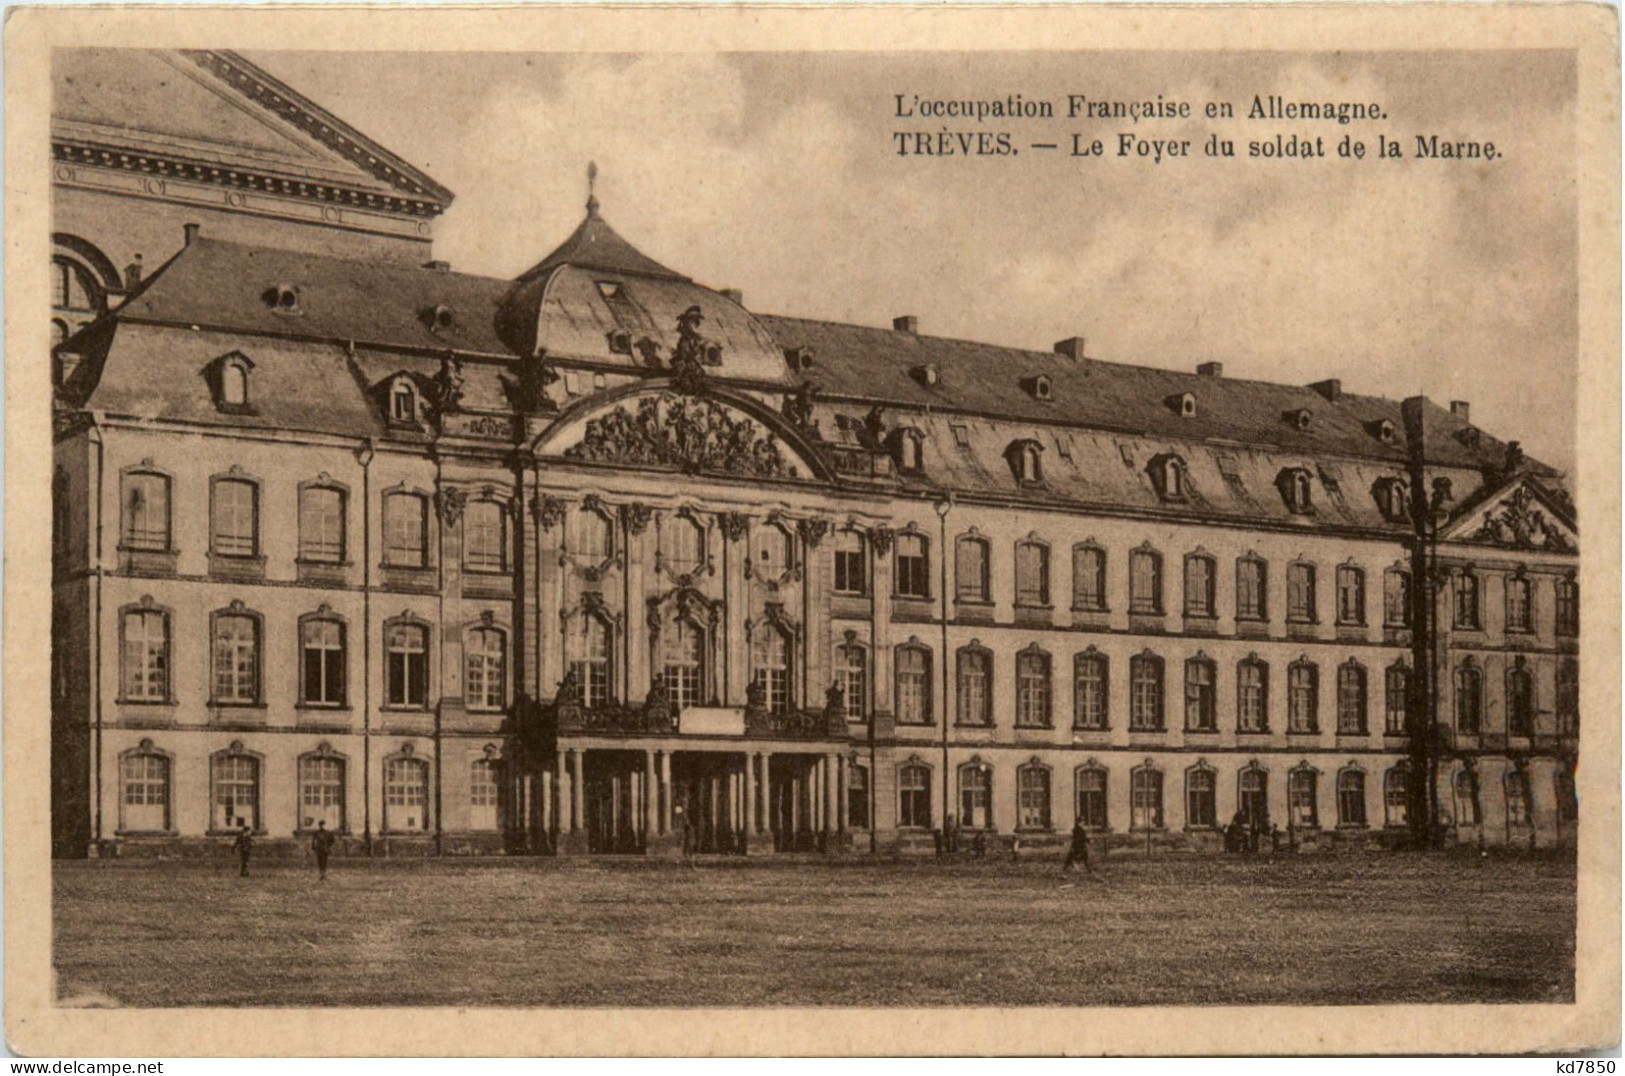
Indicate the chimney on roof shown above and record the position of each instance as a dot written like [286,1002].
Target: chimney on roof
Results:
[1331,388]
[437,266]
[1461,410]
[132,274]
[191,231]
[1210,369]
[1071,347]
[734,295]
[908,323]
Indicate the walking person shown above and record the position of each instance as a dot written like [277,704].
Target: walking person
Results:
[1079,852]
[244,847]
[321,842]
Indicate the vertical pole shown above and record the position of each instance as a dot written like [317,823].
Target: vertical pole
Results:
[561,790]
[651,796]
[749,824]
[666,793]
[576,812]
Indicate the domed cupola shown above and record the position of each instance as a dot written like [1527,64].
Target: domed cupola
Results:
[597,298]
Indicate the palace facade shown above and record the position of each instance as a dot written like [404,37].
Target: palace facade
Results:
[600,560]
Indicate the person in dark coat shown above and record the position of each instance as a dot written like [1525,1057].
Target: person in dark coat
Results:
[244,847]
[1079,852]
[321,842]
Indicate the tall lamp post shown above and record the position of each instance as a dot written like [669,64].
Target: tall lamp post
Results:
[943,505]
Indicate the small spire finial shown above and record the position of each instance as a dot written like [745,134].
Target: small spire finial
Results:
[592,181]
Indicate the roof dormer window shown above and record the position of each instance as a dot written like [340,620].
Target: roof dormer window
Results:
[620,342]
[229,379]
[1026,462]
[1296,490]
[1171,479]
[1183,404]
[1041,388]
[1390,494]
[928,375]
[609,289]
[713,354]
[799,358]
[1300,419]
[440,318]
[906,449]
[283,298]
[1385,432]
[403,402]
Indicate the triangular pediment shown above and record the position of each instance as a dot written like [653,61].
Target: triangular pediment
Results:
[217,108]
[1520,515]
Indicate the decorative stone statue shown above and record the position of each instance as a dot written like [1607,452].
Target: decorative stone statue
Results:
[834,701]
[798,405]
[536,373]
[756,696]
[448,385]
[657,706]
[688,358]
[569,690]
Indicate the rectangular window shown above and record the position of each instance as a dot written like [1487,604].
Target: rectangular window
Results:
[1032,691]
[1251,580]
[1302,807]
[1089,579]
[482,794]
[485,537]
[913,686]
[484,682]
[146,657]
[146,793]
[1092,798]
[1252,697]
[857,797]
[1466,591]
[406,667]
[1198,587]
[146,511]
[236,659]
[913,567]
[1145,582]
[321,792]
[914,797]
[1351,798]
[1518,611]
[405,530]
[975,673]
[1517,795]
[1350,595]
[851,575]
[1145,694]
[1145,793]
[1568,697]
[1090,693]
[1032,574]
[236,792]
[236,518]
[1201,711]
[1201,800]
[321,524]
[592,667]
[1397,689]
[970,571]
[1302,699]
[851,673]
[406,795]
[322,655]
[1300,593]
[1032,798]
[1396,797]
[1568,607]
[975,797]
[1351,700]
[1396,598]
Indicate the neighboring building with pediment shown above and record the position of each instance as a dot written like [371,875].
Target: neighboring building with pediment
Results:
[601,560]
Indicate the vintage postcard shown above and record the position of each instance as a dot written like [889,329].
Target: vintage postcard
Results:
[860,530]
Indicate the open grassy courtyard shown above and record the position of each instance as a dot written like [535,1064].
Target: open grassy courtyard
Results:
[1304,930]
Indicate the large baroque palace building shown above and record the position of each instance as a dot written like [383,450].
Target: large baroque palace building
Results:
[598,558]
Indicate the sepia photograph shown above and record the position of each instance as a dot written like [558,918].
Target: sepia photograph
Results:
[603,526]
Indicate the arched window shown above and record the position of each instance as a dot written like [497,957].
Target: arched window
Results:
[406,795]
[1145,582]
[236,659]
[236,524]
[773,552]
[975,678]
[321,524]
[1465,587]
[976,796]
[1516,784]
[144,796]
[1300,593]
[852,676]
[1465,785]
[1252,589]
[1519,615]
[1088,579]
[971,570]
[1396,796]
[857,796]
[1032,573]
[485,537]
[322,662]
[906,449]
[1032,689]
[1396,703]
[1145,798]
[1351,699]
[403,402]
[1568,697]
[1199,573]
[321,791]
[914,796]
[483,793]
[770,660]
[146,511]
[913,684]
[234,384]
[1303,697]
[1351,799]
[1171,472]
[1303,798]
[145,673]
[235,776]
[1469,699]
[1091,691]
[1520,700]
[685,546]
[1029,461]
[1201,705]
[682,647]
[74,287]
[1252,695]
[406,530]
[1201,798]
[1396,598]
[1350,595]
[1145,693]
[1032,797]
[1568,606]
[851,563]
[1296,489]
[592,537]
[592,666]
[1091,796]
[1252,796]
[406,666]
[913,566]
[485,684]
[1390,493]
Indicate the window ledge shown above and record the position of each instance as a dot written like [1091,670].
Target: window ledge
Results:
[1303,732]
[1201,732]
[153,703]
[1254,732]
[1352,827]
[1147,732]
[146,833]
[257,831]
[1090,609]
[1092,729]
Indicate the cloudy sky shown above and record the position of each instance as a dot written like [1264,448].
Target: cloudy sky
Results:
[778,174]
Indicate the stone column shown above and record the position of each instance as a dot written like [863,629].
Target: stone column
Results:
[767,793]
[561,782]
[544,803]
[576,792]
[651,797]
[841,796]
[750,796]
[828,777]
